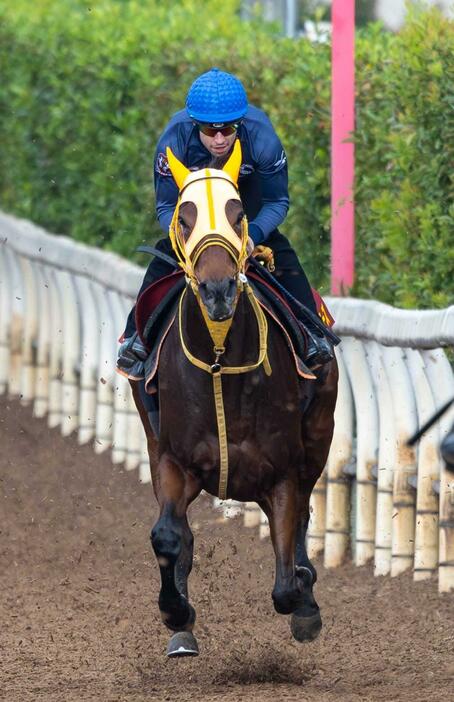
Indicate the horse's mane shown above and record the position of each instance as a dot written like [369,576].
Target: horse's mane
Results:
[219,162]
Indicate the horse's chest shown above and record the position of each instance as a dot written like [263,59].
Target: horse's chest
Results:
[253,467]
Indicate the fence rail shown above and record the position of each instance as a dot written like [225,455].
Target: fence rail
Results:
[63,306]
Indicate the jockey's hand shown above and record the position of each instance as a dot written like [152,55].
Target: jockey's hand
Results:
[265,255]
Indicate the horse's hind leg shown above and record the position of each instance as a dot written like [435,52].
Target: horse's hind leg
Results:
[318,426]
[306,621]
[172,542]
[281,508]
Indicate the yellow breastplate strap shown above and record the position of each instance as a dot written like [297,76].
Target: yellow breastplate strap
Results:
[218,332]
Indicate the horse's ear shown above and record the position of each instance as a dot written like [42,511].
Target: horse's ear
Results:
[232,167]
[179,171]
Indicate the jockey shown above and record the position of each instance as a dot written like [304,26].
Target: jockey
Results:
[217,112]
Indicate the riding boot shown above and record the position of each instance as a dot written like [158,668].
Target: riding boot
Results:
[291,276]
[132,355]
[319,350]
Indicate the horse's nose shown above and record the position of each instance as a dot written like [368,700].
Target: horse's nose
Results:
[219,297]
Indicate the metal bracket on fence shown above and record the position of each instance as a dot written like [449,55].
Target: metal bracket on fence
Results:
[350,468]
[412,481]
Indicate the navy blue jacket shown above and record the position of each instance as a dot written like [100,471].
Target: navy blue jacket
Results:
[263,181]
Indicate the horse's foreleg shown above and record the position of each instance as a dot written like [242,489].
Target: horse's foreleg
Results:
[172,541]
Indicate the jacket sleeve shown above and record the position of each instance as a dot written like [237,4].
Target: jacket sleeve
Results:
[166,190]
[272,169]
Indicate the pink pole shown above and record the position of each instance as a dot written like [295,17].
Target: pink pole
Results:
[342,153]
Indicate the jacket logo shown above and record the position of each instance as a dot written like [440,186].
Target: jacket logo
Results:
[280,163]
[246,169]
[162,165]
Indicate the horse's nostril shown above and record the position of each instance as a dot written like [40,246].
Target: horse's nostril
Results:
[232,286]
[222,316]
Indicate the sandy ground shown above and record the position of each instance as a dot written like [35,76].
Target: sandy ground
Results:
[78,612]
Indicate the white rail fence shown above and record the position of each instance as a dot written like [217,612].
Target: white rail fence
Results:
[63,306]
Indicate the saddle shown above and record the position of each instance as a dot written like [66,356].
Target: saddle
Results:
[154,315]
[157,306]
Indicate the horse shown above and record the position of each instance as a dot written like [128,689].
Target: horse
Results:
[236,420]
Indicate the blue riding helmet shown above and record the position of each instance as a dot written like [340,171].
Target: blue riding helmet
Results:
[216,97]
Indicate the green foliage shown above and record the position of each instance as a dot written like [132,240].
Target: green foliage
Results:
[405,156]
[88,86]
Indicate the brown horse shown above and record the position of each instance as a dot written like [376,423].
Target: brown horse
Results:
[271,429]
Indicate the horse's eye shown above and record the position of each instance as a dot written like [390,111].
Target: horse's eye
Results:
[183,225]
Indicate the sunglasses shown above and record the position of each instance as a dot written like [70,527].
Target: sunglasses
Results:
[211,131]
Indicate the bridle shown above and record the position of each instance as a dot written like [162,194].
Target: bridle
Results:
[189,251]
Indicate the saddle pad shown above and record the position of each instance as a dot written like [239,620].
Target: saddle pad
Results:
[152,362]
[153,305]
[320,306]
[322,310]
[291,329]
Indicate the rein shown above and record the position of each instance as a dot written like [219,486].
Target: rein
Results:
[217,370]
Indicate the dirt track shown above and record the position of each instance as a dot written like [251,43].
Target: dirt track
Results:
[79,587]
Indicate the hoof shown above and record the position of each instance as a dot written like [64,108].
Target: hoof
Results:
[183,643]
[305,628]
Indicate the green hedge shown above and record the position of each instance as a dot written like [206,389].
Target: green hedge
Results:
[405,188]
[88,86]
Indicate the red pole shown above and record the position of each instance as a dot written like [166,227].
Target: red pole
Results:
[342,153]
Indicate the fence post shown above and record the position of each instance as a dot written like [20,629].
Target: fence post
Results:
[45,331]
[317,520]
[429,464]
[30,331]
[403,518]
[366,448]
[70,356]
[56,353]
[386,461]
[338,484]
[5,317]
[16,325]
[441,379]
